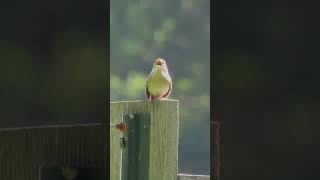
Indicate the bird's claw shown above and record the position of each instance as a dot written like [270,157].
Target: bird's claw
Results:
[155,99]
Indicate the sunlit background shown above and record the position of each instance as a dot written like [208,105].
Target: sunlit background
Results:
[178,31]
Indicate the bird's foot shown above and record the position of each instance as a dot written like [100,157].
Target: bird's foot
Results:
[154,99]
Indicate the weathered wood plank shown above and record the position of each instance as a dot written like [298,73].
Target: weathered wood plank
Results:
[164,129]
[24,150]
[215,168]
[136,153]
[192,177]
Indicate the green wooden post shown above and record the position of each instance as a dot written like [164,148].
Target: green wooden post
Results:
[159,149]
[135,154]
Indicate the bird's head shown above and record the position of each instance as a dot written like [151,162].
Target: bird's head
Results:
[160,64]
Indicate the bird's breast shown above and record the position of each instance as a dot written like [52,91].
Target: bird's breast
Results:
[158,85]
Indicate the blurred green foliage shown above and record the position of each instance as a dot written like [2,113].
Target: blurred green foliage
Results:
[178,31]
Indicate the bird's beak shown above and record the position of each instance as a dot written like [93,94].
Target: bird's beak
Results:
[158,62]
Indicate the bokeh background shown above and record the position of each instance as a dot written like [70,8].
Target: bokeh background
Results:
[53,62]
[178,31]
[54,68]
[266,89]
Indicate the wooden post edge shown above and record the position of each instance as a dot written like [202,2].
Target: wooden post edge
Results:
[192,177]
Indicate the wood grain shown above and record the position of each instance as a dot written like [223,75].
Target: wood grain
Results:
[24,150]
[192,177]
[164,131]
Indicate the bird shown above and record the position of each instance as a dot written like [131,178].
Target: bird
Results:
[158,83]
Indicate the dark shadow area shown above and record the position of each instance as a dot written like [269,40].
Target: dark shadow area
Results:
[77,173]
[54,62]
[266,86]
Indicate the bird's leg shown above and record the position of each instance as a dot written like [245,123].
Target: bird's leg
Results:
[156,98]
[152,98]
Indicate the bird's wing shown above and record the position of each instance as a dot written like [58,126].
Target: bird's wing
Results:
[147,93]
[168,92]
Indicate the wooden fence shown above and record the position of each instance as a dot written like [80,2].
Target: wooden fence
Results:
[37,153]
[148,150]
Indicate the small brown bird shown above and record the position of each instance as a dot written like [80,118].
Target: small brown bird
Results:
[158,84]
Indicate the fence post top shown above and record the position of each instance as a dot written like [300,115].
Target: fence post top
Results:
[144,101]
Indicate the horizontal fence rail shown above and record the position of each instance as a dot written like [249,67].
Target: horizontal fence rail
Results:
[25,151]
[192,177]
